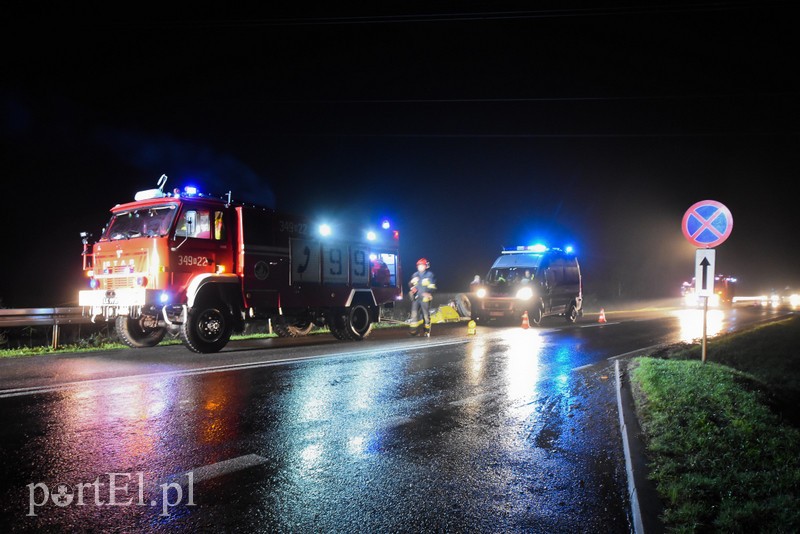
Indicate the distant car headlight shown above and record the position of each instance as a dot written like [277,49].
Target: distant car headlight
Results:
[525,293]
[481,292]
[794,300]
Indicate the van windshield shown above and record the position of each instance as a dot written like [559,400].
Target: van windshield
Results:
[510,275]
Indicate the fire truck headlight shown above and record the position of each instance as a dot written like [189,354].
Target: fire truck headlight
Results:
[481,292]
[163,297]
[525,293]
[324,230]
[371,236]
[713,300]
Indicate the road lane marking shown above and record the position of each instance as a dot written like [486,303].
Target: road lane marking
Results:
[631,353]
[218,469]
[584,366]
[479,397]
[17,392]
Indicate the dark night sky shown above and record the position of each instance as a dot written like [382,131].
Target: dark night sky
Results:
[473,125]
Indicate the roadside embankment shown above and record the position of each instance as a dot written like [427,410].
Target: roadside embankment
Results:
[722,436]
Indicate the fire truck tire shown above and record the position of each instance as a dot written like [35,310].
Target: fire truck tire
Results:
[359,320]
[339,333]
[139,333]
[572,313]
[208,327]
[353,323]
[298,329]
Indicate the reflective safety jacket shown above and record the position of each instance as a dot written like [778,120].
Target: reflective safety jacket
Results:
[424,283]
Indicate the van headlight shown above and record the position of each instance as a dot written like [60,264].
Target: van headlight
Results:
[525,293]
[481,292]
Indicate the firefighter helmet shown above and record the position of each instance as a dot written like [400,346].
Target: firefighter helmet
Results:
[423,261]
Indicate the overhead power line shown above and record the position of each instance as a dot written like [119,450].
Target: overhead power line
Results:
[165,20]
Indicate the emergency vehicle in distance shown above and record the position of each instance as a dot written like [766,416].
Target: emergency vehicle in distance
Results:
[724,292]
[201,267]
[540,280]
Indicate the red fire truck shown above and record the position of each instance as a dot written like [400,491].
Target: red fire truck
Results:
[202,266]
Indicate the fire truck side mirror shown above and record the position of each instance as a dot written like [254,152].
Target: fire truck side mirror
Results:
[191,222]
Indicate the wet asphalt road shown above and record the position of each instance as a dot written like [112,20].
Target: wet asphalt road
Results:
[511,430]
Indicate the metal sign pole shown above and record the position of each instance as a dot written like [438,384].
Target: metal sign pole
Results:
[705,322]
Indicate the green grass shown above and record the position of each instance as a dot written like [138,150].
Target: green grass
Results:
[724,455]
[770,352]
[101,343]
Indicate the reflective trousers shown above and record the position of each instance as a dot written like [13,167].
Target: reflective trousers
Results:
[423,308]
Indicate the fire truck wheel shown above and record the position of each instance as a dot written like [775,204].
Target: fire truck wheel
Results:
[298,329]
[339,333]
[140,332]
[572,313]
[208,327]
[359,321]
[353,323]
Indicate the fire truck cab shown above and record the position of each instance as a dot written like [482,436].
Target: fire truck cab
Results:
[202,266]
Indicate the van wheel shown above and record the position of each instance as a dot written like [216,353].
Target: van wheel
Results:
[208,327]
[572,313]
[139,333]
[535,317]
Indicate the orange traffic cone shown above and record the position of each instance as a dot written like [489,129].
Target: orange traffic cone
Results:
[525,323]
[602,318]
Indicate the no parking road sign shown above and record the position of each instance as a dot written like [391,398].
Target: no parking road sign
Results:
[707,223]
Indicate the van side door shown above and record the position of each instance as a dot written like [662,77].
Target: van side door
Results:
[558,292]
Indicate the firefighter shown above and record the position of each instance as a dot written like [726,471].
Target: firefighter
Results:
[422,286]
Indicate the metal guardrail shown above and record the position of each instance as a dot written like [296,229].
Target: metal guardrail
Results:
[43,317]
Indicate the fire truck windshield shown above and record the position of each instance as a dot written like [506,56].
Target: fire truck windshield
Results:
[154,221]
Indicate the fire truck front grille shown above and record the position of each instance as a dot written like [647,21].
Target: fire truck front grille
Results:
[117,282]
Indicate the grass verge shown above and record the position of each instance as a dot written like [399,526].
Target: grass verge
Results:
[100,343]
[723,450]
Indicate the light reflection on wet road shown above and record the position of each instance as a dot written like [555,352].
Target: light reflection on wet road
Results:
[511,430]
